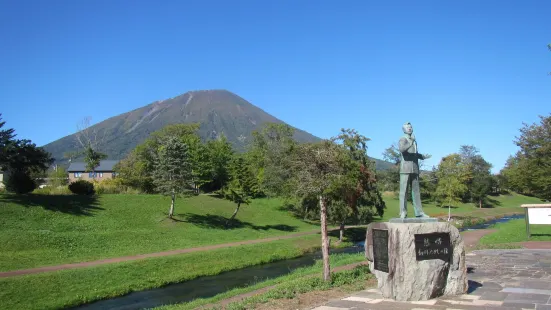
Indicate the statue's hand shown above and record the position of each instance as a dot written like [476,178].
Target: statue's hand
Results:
[426,156]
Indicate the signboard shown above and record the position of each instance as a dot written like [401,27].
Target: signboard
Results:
[539,216]
[380,249]
[433,246]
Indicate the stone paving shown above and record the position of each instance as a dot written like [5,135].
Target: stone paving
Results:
[498,279]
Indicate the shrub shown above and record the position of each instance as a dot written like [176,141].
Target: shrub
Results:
[51,190]
[81,187]
[114,186]
[19,182]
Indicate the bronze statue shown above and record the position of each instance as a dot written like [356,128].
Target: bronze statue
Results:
[409,172]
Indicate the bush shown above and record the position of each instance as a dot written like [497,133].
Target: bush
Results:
[51,190]
[82,187]
[20,183]
[114,186]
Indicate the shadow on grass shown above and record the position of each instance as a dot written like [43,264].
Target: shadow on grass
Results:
[490,203]
[219,222]
[350,234]
[69,204]
[540,235]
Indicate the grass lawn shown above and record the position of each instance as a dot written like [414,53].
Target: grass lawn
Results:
[54,290]
[281,282]
[498,205]
[41,230]
[515,231]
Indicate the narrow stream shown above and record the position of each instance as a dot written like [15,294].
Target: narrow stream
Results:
[209,286]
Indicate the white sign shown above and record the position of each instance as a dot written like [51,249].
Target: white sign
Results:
[539,215]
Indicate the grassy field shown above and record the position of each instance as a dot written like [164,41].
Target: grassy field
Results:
[40,230]
[515,231]
[498,205]
[54,290]
[281,282]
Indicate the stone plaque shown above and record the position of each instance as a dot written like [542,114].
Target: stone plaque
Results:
[433,246]
[380,249]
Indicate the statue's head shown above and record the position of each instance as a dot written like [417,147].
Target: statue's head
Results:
[407,128]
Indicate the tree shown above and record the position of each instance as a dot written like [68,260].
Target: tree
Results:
[451,174]
[242,185]
[90,141]
[57,177]
[357,187]
[21,158]
[172,169]
[478,178]
[270,153]
[481,182]
[136,169]
[317,168]
[389,179]
[529,170]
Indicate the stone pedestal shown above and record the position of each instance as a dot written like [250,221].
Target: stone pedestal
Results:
[416,261]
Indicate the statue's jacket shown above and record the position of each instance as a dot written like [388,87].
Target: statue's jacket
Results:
[410,157]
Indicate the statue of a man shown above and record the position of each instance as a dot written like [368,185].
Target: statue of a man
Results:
[409,172]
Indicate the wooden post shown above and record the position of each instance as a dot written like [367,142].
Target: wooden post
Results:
[527,222]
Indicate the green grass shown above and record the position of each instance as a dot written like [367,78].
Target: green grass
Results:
[353,279]
[54,290]
[40,230]
[498,205]
[335,261]
[515,231]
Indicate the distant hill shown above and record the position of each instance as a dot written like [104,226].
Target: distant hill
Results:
[218,111]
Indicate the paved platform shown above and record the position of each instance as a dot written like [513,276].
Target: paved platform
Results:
[498,279]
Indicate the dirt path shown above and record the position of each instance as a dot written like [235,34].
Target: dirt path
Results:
[471,237]
[13,273]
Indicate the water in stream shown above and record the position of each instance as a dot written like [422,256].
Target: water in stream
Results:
[209,286]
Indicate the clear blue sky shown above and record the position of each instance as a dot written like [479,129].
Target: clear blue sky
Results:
[463,72]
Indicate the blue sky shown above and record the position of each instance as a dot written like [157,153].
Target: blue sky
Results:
[463,72]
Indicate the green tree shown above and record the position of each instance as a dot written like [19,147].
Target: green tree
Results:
[389,179]
[221,154]
[270,153]
[451,174]
[172,169]
[57,177]
[242,185]
[357,187]
[529,170]
[479,177]
[317,168]
[22,159]
[137,168]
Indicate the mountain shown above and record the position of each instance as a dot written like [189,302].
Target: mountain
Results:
[218,111]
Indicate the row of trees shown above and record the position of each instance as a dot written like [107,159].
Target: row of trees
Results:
[464,176]
[335,174]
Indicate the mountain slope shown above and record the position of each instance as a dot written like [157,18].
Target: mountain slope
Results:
[218,111]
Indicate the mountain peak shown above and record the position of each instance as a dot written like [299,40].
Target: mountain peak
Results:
[217,110]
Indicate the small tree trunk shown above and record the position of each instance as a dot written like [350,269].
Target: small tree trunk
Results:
[306,214]
[171,210]
[234,213]
[341,235]
[324,240]
[480,203]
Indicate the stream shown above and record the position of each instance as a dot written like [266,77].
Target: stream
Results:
[209,286]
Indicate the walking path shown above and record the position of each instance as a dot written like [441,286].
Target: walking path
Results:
[498,279]
[158,254]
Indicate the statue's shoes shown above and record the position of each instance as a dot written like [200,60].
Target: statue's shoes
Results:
[423,216]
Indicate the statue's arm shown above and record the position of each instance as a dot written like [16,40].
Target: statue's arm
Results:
[404,145]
